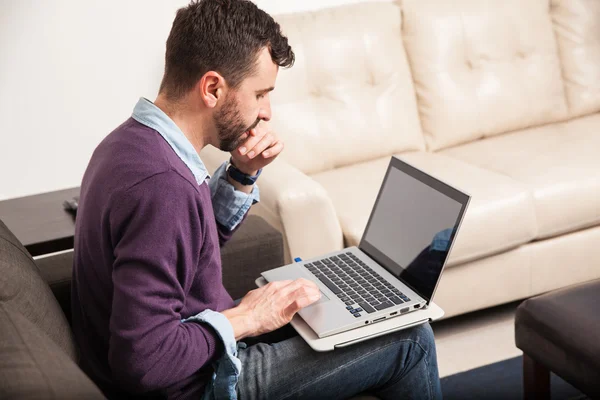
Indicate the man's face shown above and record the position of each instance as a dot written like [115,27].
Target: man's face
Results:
[243,108]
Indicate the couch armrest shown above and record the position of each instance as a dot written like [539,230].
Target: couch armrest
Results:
[306,212]
[255,247]
[57,272]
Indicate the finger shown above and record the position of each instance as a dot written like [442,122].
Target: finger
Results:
[278,284]
[254,137]
[274,150]
[264,143]
[300,298]
[287,290]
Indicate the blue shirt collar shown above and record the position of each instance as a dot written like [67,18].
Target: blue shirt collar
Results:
[145,112]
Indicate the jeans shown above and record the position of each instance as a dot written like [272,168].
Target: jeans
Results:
[399,365]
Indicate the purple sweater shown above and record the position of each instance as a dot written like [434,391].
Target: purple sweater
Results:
[147,255]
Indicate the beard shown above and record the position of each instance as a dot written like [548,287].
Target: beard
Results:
[230,125]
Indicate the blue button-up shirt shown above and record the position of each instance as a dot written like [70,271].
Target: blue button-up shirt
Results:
[230,206]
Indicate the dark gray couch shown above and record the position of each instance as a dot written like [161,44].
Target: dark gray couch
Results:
[38,358]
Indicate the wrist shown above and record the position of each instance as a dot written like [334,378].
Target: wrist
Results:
[240,322]
[243,169]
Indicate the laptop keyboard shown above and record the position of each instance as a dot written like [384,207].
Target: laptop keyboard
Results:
[356,284]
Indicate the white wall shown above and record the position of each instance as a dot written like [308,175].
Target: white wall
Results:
[71,71]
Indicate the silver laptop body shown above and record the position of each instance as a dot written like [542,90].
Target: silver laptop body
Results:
[398,264]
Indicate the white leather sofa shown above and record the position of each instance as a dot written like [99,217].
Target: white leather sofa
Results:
[498,97]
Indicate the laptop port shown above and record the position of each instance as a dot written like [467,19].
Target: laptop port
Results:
[366,322]
[394,313]
[418,306]
[379,319]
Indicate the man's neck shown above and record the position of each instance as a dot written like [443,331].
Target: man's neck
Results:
[188,120]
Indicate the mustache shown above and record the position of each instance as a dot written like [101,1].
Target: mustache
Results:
[254,125]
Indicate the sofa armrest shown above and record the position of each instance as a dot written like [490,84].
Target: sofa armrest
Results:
[306,212]
[255,247]
[57,272]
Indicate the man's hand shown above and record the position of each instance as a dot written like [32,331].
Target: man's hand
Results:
[270,307]
[258,150]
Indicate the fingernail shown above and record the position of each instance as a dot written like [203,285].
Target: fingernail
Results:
[251,154]
[242,150]
[265,153]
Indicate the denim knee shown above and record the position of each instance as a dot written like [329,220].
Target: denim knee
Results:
[423,334]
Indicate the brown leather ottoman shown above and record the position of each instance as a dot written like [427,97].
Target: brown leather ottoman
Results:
[560,332]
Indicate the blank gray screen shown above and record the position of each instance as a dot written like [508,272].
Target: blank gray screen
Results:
[407,217]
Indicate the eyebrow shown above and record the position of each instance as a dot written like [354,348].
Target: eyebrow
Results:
[263,91]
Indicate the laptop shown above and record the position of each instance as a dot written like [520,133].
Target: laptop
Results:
[398,264]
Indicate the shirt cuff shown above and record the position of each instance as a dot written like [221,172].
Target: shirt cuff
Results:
[230,205]
[221,325]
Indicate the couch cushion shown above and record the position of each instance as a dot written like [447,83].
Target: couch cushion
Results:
[57,271]
[501,214]
[32,366]
[577,27]
[482,67]
[22,287]
[349,96]
[559,164]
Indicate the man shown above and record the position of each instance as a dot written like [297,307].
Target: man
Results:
[150,314]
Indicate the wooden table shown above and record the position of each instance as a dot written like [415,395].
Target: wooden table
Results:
[40,222]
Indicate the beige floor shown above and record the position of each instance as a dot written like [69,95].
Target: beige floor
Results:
[476,339]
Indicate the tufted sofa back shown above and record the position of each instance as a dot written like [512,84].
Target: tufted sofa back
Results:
[375,79]
[577,29]
[482,67]
[349,97]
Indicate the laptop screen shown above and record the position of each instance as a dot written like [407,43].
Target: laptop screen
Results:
[412,226]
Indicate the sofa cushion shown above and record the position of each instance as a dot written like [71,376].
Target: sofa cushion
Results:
[349,96]
[558,163]
[22,287]
[57,270]
[577,27]
[32,366]
[501,214]
[482,67]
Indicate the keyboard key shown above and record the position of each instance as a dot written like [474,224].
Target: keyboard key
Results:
[396,300]
[349,302]
[330,285]
[344,298]
[384,305]
[366,307]
[356,315]
[358,309]
[349,308]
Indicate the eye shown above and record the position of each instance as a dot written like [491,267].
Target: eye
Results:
[260,96]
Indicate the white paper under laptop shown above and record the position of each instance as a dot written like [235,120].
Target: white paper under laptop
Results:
[398,264]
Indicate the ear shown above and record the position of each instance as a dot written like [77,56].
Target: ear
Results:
[212,88]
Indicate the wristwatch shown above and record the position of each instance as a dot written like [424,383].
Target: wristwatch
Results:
[239,176]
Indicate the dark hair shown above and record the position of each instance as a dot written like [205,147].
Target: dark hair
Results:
[225,36]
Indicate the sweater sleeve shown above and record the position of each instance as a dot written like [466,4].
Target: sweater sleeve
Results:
[156,231]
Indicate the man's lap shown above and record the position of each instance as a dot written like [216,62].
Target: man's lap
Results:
[284,366]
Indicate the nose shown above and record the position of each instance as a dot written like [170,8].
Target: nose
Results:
[265,111]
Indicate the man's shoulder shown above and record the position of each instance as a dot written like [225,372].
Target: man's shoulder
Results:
[133,153]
